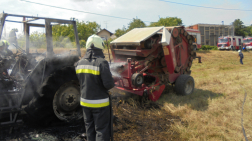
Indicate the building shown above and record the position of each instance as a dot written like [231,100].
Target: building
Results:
[105,34]
[210,32]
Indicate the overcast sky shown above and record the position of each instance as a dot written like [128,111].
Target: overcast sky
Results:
[146,10]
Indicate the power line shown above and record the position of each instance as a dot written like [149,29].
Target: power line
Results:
[203,6]
[78,10]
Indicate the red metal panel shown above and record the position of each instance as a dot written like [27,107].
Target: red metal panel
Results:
[154,96]
[170,57]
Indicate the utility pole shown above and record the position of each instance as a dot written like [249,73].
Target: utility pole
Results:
[106,23]
[223,28]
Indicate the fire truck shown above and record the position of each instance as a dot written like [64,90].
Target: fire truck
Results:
[197,38]
[230,42]
[247,43]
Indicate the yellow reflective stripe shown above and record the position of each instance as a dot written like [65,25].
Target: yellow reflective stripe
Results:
[88,67]
[91,105]
[94,72]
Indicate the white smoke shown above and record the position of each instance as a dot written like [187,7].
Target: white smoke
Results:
[114,68]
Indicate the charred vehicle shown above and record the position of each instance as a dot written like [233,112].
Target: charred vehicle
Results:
[151,58]
[145,61]
[47,89]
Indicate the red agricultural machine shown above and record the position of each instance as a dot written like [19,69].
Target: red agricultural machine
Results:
[148,59]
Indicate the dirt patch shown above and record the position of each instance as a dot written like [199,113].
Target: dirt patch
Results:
[136,119]
[144,121]
[57,131]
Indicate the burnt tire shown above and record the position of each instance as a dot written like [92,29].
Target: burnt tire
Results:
[40,108]
[184,85]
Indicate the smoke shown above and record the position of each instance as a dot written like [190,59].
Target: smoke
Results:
[115,67]
[81,0]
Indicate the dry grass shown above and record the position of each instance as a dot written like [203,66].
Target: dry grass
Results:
[212,112]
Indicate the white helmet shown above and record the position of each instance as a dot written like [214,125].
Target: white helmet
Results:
[96,41]
[239,50]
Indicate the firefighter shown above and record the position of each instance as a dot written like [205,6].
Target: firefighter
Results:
[4,51]
[13,37]
[241,56]
[95,80]
[6,56]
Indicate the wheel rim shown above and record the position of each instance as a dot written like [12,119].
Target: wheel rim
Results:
[189,87]
[66,102]
[139,80]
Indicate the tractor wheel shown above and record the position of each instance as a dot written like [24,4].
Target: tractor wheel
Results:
[58,97]
[184,85]
[137,79]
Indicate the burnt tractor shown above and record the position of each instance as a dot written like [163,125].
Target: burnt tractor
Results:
[45,89]
[146,60]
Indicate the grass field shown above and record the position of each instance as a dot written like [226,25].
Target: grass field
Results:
[212,112]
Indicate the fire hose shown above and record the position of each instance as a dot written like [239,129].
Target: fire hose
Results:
[110,106]
[111,119]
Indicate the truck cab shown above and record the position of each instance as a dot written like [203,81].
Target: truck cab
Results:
[247,43]
[229,42]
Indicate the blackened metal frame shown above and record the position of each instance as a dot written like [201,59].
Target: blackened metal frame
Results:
[47,26]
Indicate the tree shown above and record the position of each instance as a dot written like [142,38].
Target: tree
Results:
[119,32]
[37,39]
[136,23]
[168,21]
[248,30]
[239,28]
[85,29]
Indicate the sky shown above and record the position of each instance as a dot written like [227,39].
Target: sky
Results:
[146,10]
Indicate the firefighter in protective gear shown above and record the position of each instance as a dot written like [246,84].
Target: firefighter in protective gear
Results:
[13,37]
[95,80]
[6,57]
[4,51]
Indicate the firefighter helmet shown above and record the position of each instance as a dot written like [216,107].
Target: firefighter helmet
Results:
[94,41]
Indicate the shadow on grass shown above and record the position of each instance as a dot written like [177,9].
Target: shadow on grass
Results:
[203,51]
[198,100]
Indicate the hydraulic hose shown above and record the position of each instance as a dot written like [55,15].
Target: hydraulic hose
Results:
[111,119]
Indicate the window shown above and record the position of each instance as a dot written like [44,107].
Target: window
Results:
[207,42]
[223,40]
[207,34]
[201,30]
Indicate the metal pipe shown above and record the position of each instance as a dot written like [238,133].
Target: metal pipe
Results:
[144,69]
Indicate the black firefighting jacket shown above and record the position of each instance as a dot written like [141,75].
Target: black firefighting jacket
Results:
[6,59]
[95,79]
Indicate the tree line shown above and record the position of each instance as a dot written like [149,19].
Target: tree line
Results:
[63,35]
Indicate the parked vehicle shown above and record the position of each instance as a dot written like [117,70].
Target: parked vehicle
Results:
[230,42]
[152,58]
[247,43]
